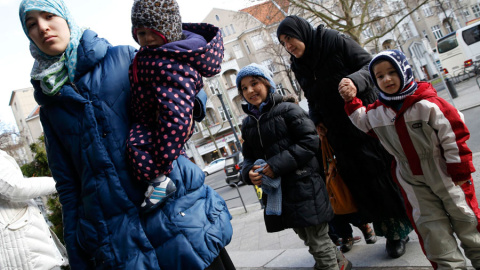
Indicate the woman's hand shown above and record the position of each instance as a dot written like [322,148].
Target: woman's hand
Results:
[255,177]
[347,89]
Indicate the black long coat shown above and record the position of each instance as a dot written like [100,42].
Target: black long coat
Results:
[363,163]
[286,139]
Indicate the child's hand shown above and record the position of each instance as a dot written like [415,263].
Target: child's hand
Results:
[255,177]
[347,89]
[267,170]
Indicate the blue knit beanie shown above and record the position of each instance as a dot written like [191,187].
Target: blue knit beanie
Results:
[256,70]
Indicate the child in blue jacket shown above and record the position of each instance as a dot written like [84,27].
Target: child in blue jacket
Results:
[166,76]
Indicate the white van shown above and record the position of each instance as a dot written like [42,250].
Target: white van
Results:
[460,49]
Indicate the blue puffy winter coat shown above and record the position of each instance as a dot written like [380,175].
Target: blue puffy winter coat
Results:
[86,126]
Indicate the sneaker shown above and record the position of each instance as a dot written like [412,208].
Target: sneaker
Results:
[159,190]
[344,264]
[368,233]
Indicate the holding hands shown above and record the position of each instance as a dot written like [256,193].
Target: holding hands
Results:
[347,89]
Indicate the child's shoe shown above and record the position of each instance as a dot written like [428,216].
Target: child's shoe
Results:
[368,233]
[158,191]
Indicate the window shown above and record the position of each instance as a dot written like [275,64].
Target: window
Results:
[223,33]
[232,29]
[407,32]
[222,113]
[227,30]
[269,64]
[258,41]
[368,33]
[471,35]
[476,10]
[427,10]
[378,27]
[437,32]
[273,35]
[357,10]
[237,51]
[280,90]
[246,47]
[466,12]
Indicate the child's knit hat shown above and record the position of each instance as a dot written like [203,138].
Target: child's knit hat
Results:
[162,16]
[404,70]
[255,69]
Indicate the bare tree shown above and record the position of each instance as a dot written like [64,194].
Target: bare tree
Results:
[10,141]
[372,18]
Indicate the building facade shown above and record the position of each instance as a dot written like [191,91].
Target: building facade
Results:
[25,111]
[249,36]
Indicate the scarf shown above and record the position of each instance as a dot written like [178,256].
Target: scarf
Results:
[404,70]
[302,30]
[52,71]
[273,188]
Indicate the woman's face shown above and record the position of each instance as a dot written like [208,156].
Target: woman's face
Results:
[293,45]
[253,90]
[48,31]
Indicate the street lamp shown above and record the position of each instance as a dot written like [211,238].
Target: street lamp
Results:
[237,141]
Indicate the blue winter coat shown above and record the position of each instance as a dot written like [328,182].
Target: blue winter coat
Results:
[86,126]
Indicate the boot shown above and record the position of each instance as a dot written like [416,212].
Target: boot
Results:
[396,248]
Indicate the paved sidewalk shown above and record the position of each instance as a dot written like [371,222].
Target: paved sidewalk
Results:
[253,248]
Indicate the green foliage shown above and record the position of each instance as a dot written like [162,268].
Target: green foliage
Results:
[39,166]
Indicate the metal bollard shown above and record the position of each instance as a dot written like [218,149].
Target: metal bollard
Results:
[451,88]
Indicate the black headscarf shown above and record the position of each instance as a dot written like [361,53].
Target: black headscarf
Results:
[302,30]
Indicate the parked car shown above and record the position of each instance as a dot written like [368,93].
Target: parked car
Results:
[233,165]
[214,166]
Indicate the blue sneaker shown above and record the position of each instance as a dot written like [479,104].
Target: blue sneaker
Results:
[159,190]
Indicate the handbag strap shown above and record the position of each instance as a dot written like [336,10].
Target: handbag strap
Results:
[327,153]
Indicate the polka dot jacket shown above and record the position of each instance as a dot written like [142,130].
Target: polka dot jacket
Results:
[163,92]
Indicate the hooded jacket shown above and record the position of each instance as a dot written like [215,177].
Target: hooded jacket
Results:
[426,127]
[363,164]
[86,126]
[286,139]
[167,79]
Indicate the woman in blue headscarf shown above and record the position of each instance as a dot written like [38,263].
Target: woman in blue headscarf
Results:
[81,83]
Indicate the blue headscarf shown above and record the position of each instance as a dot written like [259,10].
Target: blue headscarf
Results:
[404,70]
[52,71]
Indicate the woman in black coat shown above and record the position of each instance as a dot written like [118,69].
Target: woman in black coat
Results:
[323,61]
[279,149]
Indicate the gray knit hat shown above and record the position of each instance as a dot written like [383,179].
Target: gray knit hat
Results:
[162,16]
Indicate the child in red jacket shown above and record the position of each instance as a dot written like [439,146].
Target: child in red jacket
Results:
[427,136]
